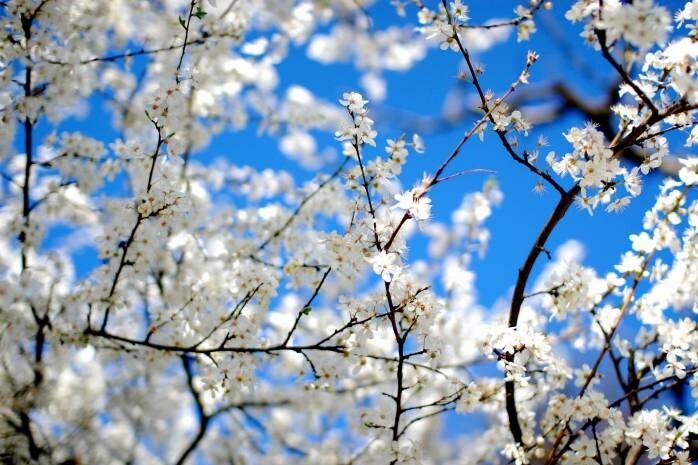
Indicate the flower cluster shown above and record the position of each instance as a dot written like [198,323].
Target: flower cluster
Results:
[160,305]
[360,131]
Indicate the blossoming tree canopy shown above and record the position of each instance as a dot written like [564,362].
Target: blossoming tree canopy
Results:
[225,313]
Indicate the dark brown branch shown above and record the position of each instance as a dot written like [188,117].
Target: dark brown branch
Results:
[184,43]
[304,309]
[121,56]
[192,349]
[204,419]
[601,36]
[364,183]
[559,212]
[129,241]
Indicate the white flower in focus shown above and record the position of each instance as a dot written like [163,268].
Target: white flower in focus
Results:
[418,206]
[386,265]
[459,11]
[354,101]
[365,131]
[396,148]
[584,450]
[515,452]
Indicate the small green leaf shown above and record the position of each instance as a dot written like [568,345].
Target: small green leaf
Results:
[182,22]
[199,13]
[306,310]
